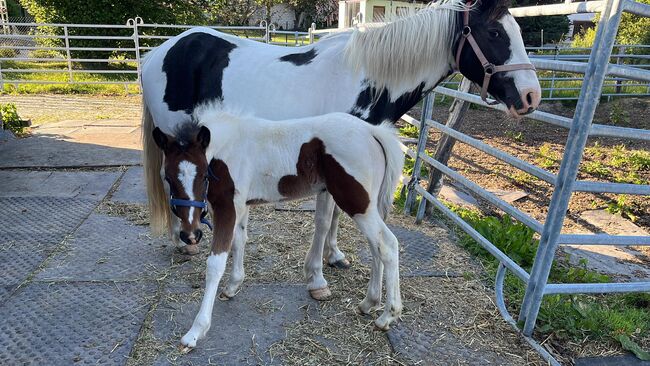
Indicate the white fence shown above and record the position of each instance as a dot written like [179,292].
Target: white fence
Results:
[33,53]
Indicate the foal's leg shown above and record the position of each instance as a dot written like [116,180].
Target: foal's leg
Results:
[224,223]
[238,247]
[316,283]
[378,234]
[333,255]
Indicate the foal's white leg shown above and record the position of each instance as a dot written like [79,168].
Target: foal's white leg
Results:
[238,248]
[376,231]
[373,296]
[316,283]
[333,255]
[215,268]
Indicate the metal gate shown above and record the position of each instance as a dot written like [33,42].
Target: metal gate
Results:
[565,183]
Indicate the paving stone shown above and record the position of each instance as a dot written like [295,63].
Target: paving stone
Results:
[259,312]
[72,323]
[509,196]
[455,196]
[132,187]
[52,151]
[91,185]
[417,254]
[625,360]
[612,224]
[108,248]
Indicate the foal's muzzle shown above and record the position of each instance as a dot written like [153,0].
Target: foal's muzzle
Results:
[191,239]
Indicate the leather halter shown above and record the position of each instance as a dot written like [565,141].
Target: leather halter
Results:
[488,68]
[177,202]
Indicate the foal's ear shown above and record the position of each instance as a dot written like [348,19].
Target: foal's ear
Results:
[203,137]
[161,139]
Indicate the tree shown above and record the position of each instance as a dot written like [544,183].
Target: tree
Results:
[322,12]
[555,27]
[233,12]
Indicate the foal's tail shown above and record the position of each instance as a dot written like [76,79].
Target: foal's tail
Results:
[394,158]
[152,160]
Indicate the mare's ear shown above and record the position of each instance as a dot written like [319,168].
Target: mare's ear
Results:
[203,137]
[161,139]
[485,5]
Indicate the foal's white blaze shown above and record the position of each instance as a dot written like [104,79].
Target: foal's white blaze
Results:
[525,80]
[186,175]
[216,265]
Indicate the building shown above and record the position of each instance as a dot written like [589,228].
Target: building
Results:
[353,12]
[282,15]
[579,23]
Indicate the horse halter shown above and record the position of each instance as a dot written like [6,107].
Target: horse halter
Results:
[488,68]
[203,205]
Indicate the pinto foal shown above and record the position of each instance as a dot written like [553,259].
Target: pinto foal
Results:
[246,160]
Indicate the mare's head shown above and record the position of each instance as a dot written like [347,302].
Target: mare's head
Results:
[501,55]
[186,174]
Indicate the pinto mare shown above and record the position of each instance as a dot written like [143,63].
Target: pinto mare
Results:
[248,160]
[376,73]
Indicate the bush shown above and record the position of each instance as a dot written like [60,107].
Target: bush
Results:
[10,119]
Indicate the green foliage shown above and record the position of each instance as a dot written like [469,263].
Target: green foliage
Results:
[515,136]
[618,115]
[598,169]
[546,157]
[13,8]
[10,119]
[633,29]
[621,207]
[409,165]
[636,160]
[522,177]
[409,131]
[555,27]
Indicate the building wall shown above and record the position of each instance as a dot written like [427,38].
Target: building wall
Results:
[392,10]
[282,15]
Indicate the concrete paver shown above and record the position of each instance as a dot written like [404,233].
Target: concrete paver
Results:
[132,188]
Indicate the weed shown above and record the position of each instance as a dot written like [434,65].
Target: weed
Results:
[598,169]
[516,136]
[522,178]
[409,131]
[596,151]
[618,115]
[636,160]
[621,207]
[10,120]
[546,157]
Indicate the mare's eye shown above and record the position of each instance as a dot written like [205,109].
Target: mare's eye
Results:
[494,33]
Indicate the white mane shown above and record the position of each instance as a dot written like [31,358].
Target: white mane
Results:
[401,54]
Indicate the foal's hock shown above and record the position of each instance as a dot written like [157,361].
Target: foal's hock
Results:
[236,161]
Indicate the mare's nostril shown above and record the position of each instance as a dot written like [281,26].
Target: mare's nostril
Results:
[185,238]
[529,98]
[198,234]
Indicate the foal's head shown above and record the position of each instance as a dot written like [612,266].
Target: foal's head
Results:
[499,39]
[186,174]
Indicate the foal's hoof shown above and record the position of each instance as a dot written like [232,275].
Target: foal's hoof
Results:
[340,264]
[183,349]
[190,249]
[320,294]
[224,297]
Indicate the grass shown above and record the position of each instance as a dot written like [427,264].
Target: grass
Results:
[565,319]
[618,164]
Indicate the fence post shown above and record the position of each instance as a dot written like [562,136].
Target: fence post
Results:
[444,147]
[576,141]
[311,33]
[136,43]
[67,51]
[621,51]
[427,112]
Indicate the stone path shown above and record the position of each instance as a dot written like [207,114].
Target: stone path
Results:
[82,283]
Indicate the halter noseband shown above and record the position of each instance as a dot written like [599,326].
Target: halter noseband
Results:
[174,202]
[488,68]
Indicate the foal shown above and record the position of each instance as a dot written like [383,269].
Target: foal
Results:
[246,160]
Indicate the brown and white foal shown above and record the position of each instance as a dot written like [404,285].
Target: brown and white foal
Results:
[246,160]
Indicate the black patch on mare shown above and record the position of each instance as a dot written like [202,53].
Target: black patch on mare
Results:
[300,59]
[381,108]
[194,68]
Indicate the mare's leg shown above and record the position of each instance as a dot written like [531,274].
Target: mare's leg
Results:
[225,218]
[333,255]
[238,247]
[316,283]
[379,235]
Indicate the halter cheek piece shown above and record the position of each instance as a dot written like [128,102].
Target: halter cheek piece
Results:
[177,202]
[488,67]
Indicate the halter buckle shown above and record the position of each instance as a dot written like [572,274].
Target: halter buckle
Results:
[489,68]
[467,30]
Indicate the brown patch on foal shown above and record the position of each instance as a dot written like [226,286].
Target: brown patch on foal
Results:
[314,167]
[221,194]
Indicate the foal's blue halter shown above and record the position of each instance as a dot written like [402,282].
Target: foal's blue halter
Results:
[177,202]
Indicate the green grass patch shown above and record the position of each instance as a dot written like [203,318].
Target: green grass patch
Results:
[409,131]
[612,319]
[546,157]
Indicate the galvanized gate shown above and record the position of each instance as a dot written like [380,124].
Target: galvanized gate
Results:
[565,183]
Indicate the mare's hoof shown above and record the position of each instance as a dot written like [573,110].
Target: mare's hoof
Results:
[320,294]
[183,349]
[340,264]
[190,249]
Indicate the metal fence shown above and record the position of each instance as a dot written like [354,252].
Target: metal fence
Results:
[580,128]
[83,54]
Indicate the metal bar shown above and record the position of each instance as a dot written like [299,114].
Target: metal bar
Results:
[576,141]
[117,26]
[427,112]
[496,252]
[580,67]
[558,9]
[637,8]
[603,239]
[485,194]
[595,288]
[596,129]
[67,52]
[67,82]
[499,154]
[45,71]
[606,187]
